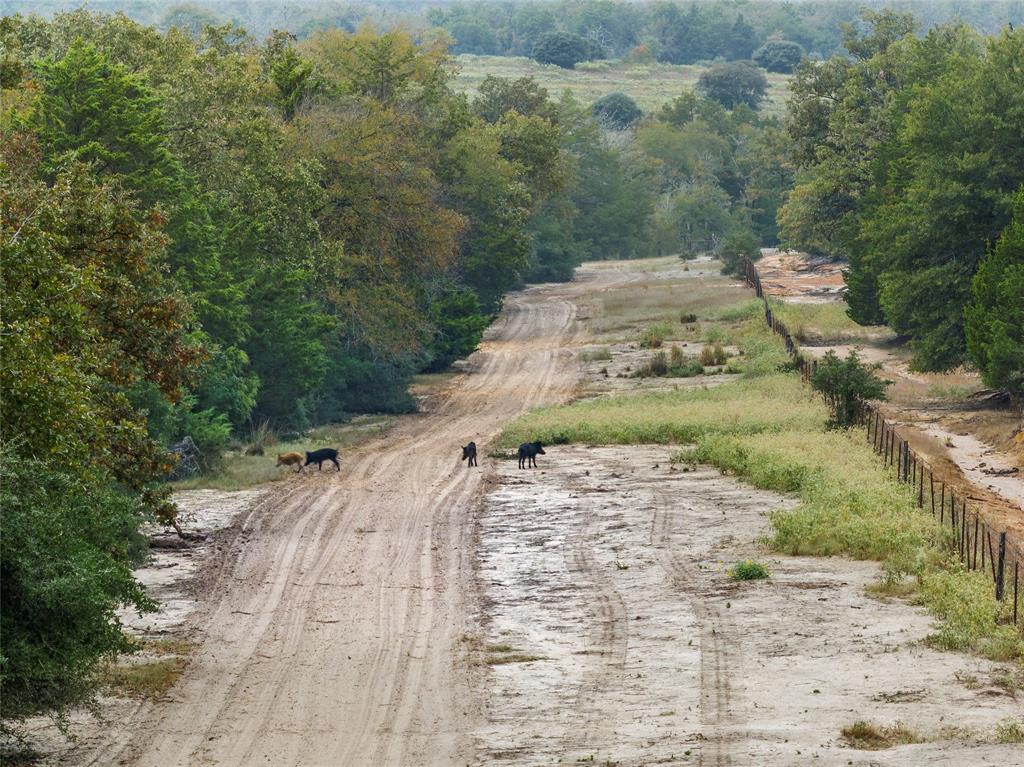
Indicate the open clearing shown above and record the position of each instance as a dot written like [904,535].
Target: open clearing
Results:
[408,611]
[650,85]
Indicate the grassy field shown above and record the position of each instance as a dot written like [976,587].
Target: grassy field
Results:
[650,85]
[826,324]
[768,429]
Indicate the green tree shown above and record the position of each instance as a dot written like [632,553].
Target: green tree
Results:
[89,315]
[93,110]
[292,76]
[563,49]
[616,111]
[779,55]
[995,317]
[498,95]
[733,83]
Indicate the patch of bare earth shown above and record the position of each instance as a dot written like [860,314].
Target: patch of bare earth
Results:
[605,569]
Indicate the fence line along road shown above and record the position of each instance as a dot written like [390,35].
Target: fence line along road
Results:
[978,544]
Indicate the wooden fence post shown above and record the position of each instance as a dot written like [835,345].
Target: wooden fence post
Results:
[1001,566]
[974,545]
[1016,600]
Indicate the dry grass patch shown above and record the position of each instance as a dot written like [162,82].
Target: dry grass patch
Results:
[148,680]
[516,657]
[870,737]
[1010,731]
[826,323]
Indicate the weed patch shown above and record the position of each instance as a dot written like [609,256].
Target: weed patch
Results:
[593,355]
[1010,731]
[148,680]
[654,336]
[748,571]
[870,737]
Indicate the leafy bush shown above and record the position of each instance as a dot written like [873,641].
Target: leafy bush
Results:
[748,570]
[846,385]
[779,55]
[563,49]
[734,83]
[739,241]
[616,111]
[66,551]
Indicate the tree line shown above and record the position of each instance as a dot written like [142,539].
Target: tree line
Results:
[682,31]
[909,161]
[205,231]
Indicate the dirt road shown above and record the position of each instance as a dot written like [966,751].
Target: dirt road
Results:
[332,631]
[409,611]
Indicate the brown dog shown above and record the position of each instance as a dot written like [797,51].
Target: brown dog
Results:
[290,459]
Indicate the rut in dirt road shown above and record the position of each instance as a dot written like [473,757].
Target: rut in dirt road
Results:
[331,636]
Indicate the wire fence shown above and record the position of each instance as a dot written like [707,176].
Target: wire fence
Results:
[978,544]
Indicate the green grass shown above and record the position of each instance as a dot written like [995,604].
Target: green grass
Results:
[241,471]
[769,429]
[826,323]
[650,85]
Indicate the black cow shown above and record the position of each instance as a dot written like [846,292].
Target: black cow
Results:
[469,452]
[528,452]
[319,456]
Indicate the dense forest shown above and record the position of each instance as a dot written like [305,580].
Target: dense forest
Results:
[678,32]
[207,228]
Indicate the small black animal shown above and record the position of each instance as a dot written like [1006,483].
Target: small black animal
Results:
[528,452]
[319,456]
[469,451]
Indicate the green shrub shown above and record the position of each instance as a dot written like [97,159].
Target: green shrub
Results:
[748,571]
[67,547]
[846,385]
[654,336]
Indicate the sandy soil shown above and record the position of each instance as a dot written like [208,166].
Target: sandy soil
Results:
[387,614]
[799,277]
[604,572]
